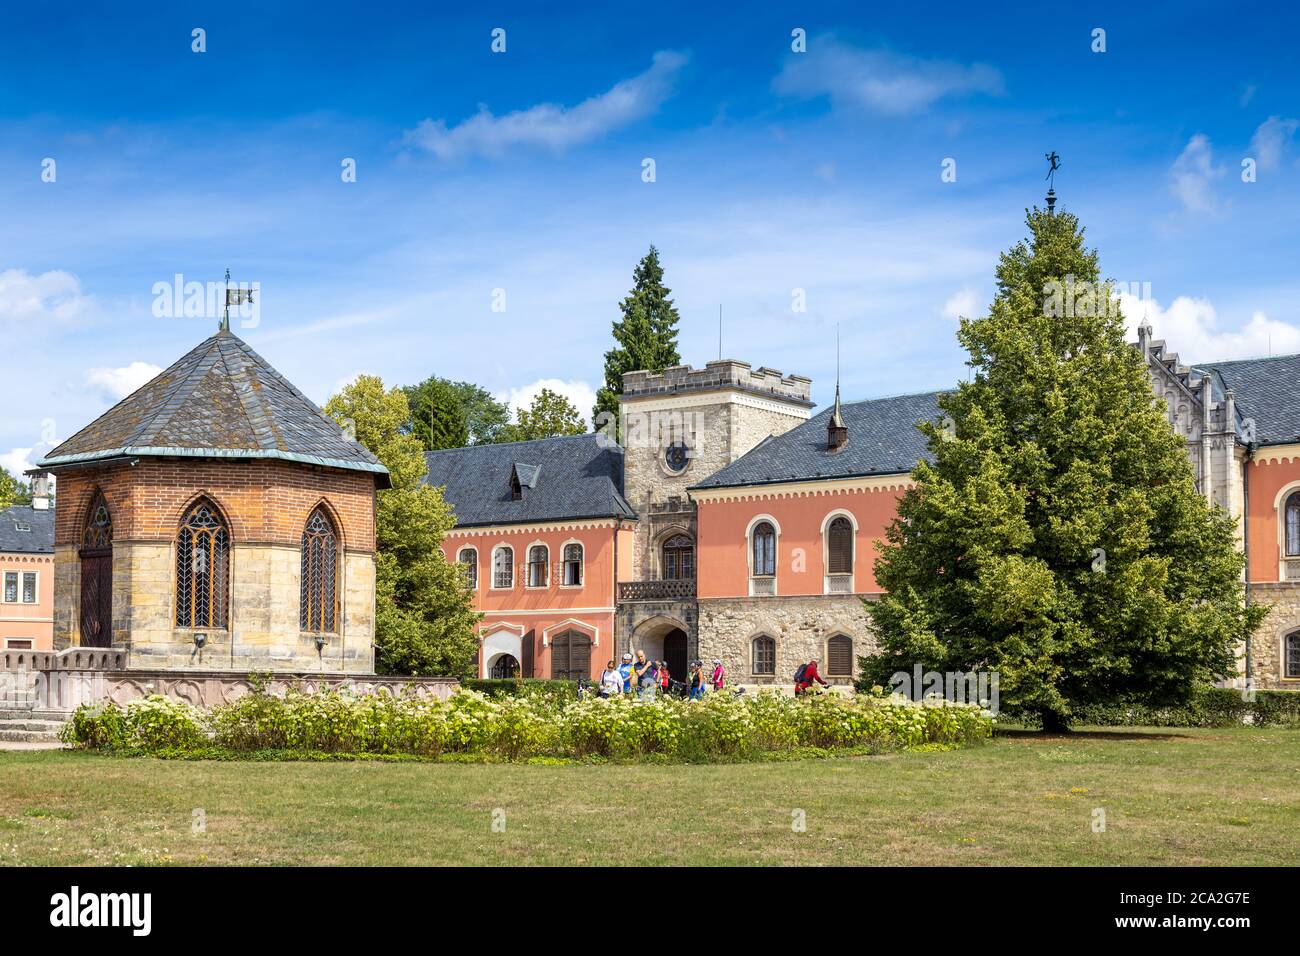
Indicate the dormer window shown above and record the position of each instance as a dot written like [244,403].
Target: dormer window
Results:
[516,489]
[522,476]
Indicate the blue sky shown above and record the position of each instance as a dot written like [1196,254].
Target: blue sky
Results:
[521,171]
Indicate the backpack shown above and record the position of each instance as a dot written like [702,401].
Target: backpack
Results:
[799,674]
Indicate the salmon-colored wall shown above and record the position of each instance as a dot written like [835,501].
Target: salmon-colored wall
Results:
[1266,479]
[535,610]
[723,546]
[34,622]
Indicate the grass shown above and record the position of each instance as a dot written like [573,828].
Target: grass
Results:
[1181,796]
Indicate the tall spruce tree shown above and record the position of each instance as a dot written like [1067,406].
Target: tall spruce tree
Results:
[438,414]
[1058,537]
[646,335]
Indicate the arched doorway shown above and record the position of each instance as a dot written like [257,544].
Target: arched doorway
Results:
[96,554]
[675,653]
[503,667]
[663,639]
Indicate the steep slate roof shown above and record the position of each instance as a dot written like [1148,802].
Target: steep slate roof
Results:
[221,400]
[883,440]
[1265,389]
[563,478]
[39,540]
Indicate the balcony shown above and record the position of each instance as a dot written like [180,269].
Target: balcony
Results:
[670,590]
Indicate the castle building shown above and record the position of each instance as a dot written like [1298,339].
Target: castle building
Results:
[27,575]
[733,524]
[217,520]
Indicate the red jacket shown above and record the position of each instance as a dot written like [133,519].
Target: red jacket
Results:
[810,674]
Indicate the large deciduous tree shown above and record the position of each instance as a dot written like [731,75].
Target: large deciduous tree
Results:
[549,415]
[424,617]
[447,414]
[645,336]
[1058,537]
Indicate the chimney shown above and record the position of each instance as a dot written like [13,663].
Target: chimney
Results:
[41,492]
[837,433]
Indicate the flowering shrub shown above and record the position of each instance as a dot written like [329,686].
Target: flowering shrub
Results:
[470,724]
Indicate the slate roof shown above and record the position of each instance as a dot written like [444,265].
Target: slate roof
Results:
[39,540]
[1265,389]
[221,400]
[883,440]
[575,476]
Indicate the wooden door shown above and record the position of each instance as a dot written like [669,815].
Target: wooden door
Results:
[97,598]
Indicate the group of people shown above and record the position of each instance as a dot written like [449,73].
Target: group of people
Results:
[646,677]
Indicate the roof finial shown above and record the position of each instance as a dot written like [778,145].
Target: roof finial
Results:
[225,314]
[837,433]
[1055,162]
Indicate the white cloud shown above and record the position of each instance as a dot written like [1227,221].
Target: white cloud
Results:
[1193,174]
[1190,327]
[1248,94]
[50,296]
[1271,138]
[117,383]
[879,80]
[961,304]
[552,125]
[16,461]
[582,395]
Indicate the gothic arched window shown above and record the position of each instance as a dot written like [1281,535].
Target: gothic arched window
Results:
[763,540]
[503,567]
[572,565]
[539,563]
[839,546]
[679,558]
[319,602]
[1292,511]
[468,559]
[202,568]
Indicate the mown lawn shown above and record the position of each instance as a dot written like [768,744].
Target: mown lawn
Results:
[1169,797]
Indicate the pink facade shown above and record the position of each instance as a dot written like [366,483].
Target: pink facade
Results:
[552,611]
[800,518]
[1271,481]
[26,601]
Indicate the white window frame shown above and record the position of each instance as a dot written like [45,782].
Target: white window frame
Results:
[478,565]
[528,567]
[776,555]
[36,587]
[1279,512]
[582,566]
[18,587]
[826,550]
[493,581]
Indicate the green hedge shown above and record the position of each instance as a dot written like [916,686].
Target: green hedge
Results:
[1208,707]
[559,690]
[472,725]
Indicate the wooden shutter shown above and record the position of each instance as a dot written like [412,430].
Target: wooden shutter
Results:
[840,546]
[570,656]
[839,656]
[526,665]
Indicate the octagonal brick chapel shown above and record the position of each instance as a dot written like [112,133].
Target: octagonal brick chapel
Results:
[216,519]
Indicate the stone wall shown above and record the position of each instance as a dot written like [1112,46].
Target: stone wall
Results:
[800,626]
[719,412]
[266,505]
[1266,645]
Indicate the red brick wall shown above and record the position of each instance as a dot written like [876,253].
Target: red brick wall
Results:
[265,501]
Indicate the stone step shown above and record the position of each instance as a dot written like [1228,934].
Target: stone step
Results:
[47,726]
[25,713]
[28,736]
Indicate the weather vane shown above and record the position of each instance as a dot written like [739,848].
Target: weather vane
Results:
[1055,162]
[233,297]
